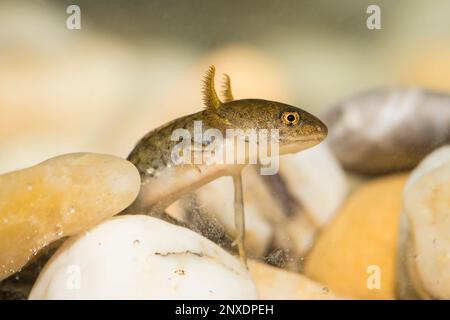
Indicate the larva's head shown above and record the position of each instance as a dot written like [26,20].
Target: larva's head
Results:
[297,129]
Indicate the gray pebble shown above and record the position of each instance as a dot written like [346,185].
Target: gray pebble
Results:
[388,130]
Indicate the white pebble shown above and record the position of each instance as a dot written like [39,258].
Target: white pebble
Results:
[141,257]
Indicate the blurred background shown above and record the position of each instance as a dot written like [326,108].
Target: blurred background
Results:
[134,65]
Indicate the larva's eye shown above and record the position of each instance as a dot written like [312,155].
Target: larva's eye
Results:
[290,118]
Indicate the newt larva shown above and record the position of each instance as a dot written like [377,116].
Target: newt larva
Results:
[164,181]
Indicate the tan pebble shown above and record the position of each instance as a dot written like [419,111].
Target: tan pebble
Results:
[363,237]
[59,197]
[274,283]
[427,209]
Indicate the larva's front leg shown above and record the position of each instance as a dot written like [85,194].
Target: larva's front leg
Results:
[239,217]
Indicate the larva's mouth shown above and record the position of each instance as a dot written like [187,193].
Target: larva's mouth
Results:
[297,146]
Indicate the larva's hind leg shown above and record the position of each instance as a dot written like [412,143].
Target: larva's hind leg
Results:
[239,217]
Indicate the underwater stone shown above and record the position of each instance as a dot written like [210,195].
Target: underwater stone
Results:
[432,161]
[360,241]
[275,284]
[424,266]
[316,180]
[59,197]
[141,257]
[388,130]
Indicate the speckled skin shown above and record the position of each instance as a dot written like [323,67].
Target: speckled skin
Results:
[164,182]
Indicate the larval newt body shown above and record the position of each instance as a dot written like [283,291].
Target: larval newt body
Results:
[164,181]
